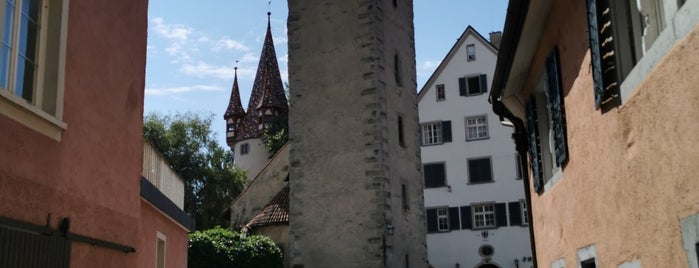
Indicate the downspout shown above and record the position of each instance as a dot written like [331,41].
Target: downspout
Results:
[516,16]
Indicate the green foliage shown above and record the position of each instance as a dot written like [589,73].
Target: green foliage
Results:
[220,247]
[276,135]
[188,144]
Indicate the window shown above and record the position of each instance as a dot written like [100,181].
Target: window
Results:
[484,216]
[690,239]
[160,251]
[401,136]
[436,133]
[476,128]
[624,30]
[471,52]
[440,92]
[268,120]
[435,175]
[473,85]
[404,196]
[480,170]
[397,69]
[31,64]
[442,219]
[244,148]
[586,257]
[546,122]
[525,215]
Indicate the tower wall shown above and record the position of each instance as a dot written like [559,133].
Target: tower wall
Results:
[256,158]
[348,165]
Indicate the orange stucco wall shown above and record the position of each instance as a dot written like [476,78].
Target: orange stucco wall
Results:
[92,175]
[152,222]
[632,171]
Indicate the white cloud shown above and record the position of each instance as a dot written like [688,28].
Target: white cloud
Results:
[228,44]
[202,69]
[177,90]
[428,65]
[176,32]
[284,59]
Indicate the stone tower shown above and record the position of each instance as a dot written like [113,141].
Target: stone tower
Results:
[244,129]
[356,186]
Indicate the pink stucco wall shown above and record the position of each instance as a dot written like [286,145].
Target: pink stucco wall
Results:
[92,175]
[631,174]
[152,222]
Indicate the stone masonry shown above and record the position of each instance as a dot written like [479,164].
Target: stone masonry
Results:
[356,186]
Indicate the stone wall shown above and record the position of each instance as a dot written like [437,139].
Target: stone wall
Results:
[352,75]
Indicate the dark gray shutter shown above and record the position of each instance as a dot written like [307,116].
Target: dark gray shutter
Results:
[602,50]
[534,145]
[431,220]
[462,86]
[484,83]
[446,131]
[454,218]
[501,214]
[434,175]
[557,107]
[515,213]
[466,223]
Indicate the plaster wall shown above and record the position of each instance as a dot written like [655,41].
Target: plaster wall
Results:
[152,222]
[256,158]
[261,189]
[92,175]
[631,174]
[279,234]
[461,246]
[346,164]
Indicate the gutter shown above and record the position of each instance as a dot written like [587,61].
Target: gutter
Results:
[514,22]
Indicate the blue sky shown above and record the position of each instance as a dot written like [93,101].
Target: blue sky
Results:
[193,46]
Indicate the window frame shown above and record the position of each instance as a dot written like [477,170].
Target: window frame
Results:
[440,92]
[445,217]
[476,125]
[524,209]
[437,132]
[483,213]
[468,171]
[44,114]
[470,52]
[244,148]
[158,238]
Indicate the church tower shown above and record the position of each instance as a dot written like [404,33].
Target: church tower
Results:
[244,129]
[355,179]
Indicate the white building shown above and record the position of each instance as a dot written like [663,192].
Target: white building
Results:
[474,196]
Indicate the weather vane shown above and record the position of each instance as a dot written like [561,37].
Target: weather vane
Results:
[269,5]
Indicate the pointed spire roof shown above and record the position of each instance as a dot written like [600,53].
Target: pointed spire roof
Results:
[268,80]
[235,107]
[267,92]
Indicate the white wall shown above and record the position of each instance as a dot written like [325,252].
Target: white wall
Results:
[255,160]
[510,242]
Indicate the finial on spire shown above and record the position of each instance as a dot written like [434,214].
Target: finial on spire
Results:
[269,13]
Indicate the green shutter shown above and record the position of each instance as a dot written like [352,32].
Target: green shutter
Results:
[466,223]
[446,131]
[556,107]
[454,218]
[484,83]
[431,220]
[515,213]
[462,86]
[534,145]
[602,49]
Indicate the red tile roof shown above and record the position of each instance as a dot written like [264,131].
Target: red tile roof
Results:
[275,212]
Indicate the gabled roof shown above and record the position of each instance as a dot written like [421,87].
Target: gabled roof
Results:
[235,107]
[458,44]
[275,212]
[267,91]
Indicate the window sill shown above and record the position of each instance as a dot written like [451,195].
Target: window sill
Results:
[431,144]
[484,228]
[479,182]
[437,187]
[477,139]
[30,116]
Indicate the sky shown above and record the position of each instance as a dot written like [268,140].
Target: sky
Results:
[193,47]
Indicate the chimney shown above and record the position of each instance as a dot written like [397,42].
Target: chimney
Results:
[495,39]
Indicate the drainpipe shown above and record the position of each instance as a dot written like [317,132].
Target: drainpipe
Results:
[521,139]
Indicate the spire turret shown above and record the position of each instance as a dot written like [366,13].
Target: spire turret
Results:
[235,107]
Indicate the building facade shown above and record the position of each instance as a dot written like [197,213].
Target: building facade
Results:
[474,195]
[355,186]
[72,189]
[267,106]
[603,99]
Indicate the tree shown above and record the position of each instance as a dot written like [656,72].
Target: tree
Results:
[275,136]
[211,180]
[220,247]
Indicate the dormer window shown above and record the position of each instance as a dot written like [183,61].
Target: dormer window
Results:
[230,127]
[267,120]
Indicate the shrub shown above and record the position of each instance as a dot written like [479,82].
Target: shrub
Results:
[219,247]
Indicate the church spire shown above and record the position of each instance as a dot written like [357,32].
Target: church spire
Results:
[235,107]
